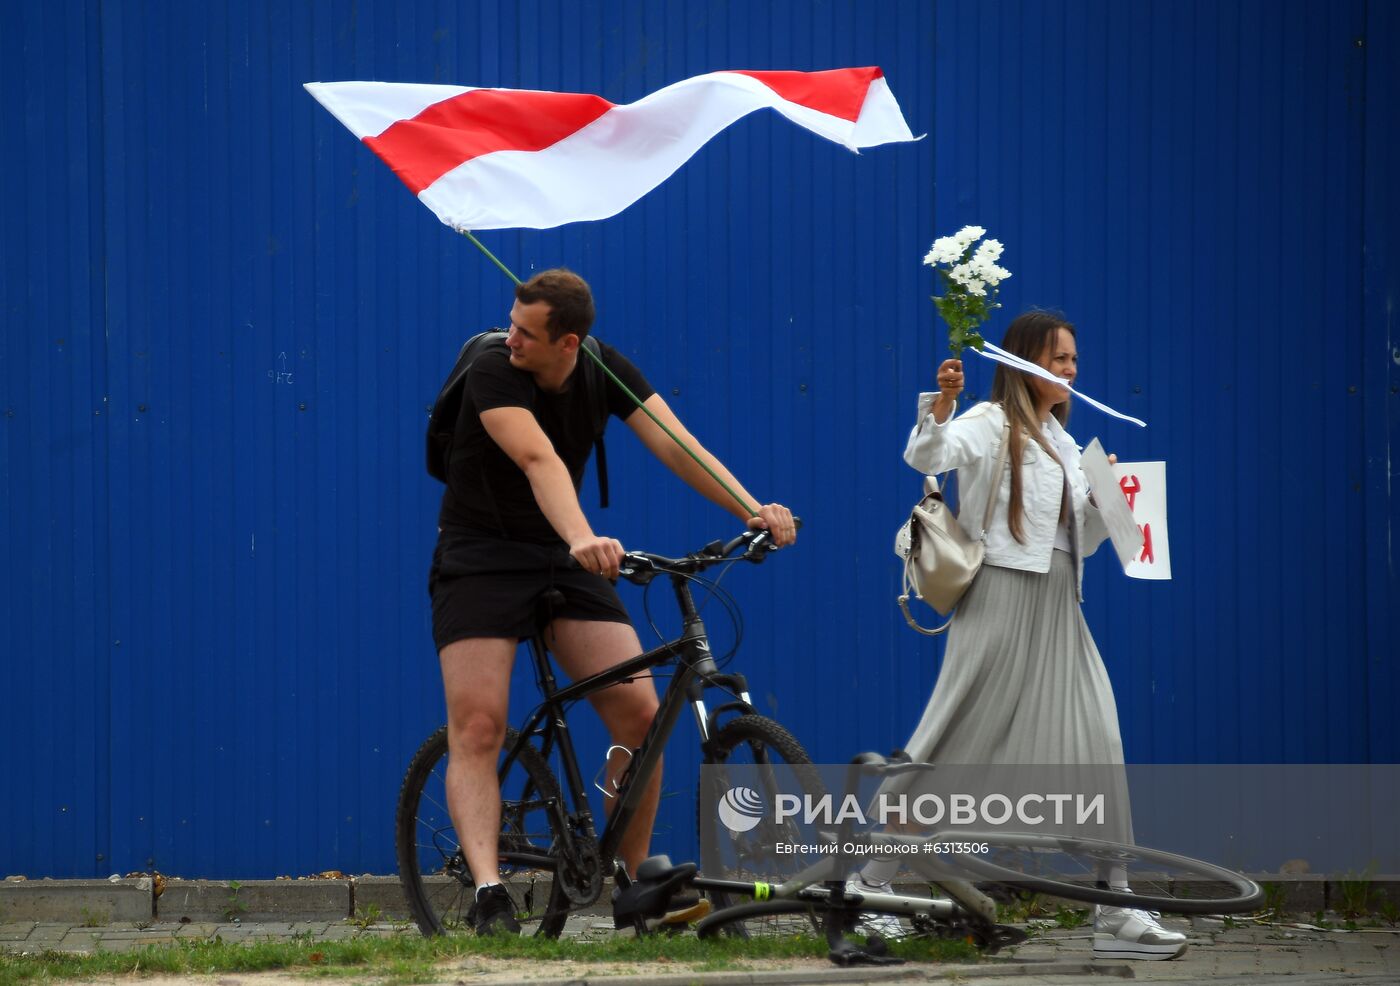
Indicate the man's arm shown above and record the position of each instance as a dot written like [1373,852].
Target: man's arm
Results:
[774,516]
[519,435]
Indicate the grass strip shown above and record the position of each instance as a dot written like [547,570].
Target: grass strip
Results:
[408,958]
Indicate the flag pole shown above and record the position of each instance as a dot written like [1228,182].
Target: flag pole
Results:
[626,390]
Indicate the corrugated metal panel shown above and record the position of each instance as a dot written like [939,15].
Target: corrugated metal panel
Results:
[224,321]
[54,535]
[1380,381]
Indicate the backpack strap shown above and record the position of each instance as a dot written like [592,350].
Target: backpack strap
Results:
[598,395]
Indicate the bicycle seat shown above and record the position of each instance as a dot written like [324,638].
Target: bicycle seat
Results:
[546,604]
[658,869]
[651,893]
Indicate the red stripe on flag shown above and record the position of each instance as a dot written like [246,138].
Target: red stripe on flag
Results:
[480,121]
[839,92]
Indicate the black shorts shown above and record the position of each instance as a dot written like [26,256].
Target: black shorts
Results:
[490,587]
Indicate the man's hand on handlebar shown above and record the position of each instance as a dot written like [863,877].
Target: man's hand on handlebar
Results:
[778,519]
[601,556]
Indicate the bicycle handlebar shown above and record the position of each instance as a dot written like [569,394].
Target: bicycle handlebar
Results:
[640,567]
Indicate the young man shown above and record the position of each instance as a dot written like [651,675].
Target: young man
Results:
[509,522]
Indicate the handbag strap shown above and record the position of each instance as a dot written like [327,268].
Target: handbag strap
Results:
[996,479]
[903,599]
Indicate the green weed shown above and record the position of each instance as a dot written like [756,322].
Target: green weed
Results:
[1357,896]
[1275,897]
[234,909]
[1071,917]
[1388,911]
[366,916]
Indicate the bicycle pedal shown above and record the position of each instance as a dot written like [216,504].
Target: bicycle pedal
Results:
[677,920]
[999,937]
[847,953]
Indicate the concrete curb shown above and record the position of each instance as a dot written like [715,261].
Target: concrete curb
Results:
[109,902]
[92,903]
[254,900]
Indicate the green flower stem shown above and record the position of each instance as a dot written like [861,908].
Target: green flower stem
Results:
[743,504]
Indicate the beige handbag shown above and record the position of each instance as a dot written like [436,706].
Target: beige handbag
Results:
[940,559]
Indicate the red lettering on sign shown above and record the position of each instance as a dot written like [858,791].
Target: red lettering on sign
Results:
[1146,555]
[1130,487]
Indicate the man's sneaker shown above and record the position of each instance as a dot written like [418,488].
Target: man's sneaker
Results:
[1128,933]
[869,923]
[685,909]
[493,912]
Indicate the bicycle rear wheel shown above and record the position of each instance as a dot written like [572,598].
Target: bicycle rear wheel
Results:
[760,758]
[1071,867]
[432,870]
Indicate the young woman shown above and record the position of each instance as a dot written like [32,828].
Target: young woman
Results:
[1022,682]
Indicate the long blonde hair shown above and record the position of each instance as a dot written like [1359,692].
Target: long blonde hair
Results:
[1028,336]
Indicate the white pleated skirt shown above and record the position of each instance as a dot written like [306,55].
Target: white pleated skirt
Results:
[1022,683]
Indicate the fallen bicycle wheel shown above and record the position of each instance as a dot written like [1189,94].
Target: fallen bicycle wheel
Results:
[1077,869]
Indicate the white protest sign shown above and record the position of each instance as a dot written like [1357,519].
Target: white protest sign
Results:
[1144,486]
[1114,510]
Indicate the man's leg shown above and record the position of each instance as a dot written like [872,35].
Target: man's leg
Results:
[586,647]
[476,682]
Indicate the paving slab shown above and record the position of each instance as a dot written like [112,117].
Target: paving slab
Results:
[92,902]
[16,931]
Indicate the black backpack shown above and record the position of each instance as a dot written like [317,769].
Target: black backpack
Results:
[442,423]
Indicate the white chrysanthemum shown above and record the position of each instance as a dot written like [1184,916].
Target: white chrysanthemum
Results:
[965,237]
[994,275]
[989,252]
[970,280]
[983,264]
[945,250]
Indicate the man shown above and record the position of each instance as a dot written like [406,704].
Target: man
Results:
[510,519]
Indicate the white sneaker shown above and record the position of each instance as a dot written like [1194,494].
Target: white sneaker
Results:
[1129,933]
[885,925]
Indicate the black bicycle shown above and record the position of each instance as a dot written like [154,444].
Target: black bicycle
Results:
[552,858]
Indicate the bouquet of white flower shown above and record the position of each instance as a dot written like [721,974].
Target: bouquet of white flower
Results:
[970,277]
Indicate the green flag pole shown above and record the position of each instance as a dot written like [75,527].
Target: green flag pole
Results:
[626,390]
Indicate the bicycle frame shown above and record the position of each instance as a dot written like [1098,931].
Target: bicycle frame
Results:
[696,671]
[825,878]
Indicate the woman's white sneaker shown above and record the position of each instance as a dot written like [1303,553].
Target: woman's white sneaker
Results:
[887,926]
[1128,933]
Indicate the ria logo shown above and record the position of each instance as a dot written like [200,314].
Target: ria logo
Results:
[740,809]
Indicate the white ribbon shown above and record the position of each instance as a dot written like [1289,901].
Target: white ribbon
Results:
[998,355]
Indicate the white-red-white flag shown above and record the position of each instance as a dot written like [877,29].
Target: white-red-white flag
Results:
[502,158]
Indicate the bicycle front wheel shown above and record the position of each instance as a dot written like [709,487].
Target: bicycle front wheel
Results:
[765,919]
[1073,868]
[761,760]
[432,870]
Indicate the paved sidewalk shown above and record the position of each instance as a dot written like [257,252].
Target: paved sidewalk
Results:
[1252,953]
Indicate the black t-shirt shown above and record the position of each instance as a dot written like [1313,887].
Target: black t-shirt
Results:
[487,493]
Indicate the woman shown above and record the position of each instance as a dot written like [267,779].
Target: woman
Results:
[1022,682]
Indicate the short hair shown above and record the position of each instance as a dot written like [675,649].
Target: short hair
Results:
[569,299]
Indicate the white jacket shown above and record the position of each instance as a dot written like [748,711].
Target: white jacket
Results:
[971,444]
